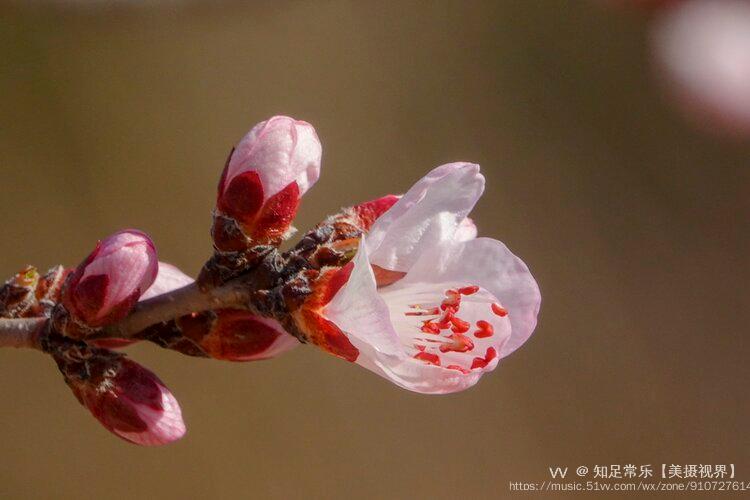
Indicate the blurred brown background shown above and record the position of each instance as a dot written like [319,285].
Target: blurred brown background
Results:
[634,225]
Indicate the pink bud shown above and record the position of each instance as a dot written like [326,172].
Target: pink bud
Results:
[241,336]
[169,278]
[129,400]
[108,283]
[265,176]
[702,49]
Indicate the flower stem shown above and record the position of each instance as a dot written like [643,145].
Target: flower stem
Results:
[174,304]
[22,332]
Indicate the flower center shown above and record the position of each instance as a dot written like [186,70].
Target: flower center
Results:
[458,327]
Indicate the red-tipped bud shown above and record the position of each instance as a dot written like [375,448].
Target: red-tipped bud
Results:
[129,400]
[263,180]
[226,334]
[169,278]
[241,336]
[108,283]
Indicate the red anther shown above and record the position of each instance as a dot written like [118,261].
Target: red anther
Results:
[445,320]
[468,290]
[485,329]
[430,327]
[460,329]
[459,343]
[458,368]
[453,300]
[499,310]
[459,324]
[432,359]
[490,354]
[482,362]
[478,363]
[419,347]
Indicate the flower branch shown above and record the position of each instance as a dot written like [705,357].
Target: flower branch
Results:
[399,285]
[21,332]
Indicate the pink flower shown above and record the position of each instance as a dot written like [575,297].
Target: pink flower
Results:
[128,400]
[702,48]
[424,303]
[265,176]
[104,288]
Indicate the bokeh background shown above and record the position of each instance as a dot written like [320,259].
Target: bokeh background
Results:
[634,223]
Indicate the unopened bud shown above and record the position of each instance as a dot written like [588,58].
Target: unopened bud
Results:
[263,180]
[104,288]
[226,334]
[126,398]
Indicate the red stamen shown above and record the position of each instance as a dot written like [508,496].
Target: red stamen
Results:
[482,362]
[430,327]
[485,330]
[468,290]
[445,320]
[459,324]
[499,310]
[490,354]
[453,300]
[432,359]
[426,312]
[460,343]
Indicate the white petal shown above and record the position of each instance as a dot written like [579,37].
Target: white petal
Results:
[412,374]
[466,231]
[168,278]
[283,343]
[360,312]
[427,215]
[281,150]
[489,264]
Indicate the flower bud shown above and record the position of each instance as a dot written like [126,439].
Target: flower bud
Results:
[225,334]
[168,278]
[263,180]
[108,283]
[126,398]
